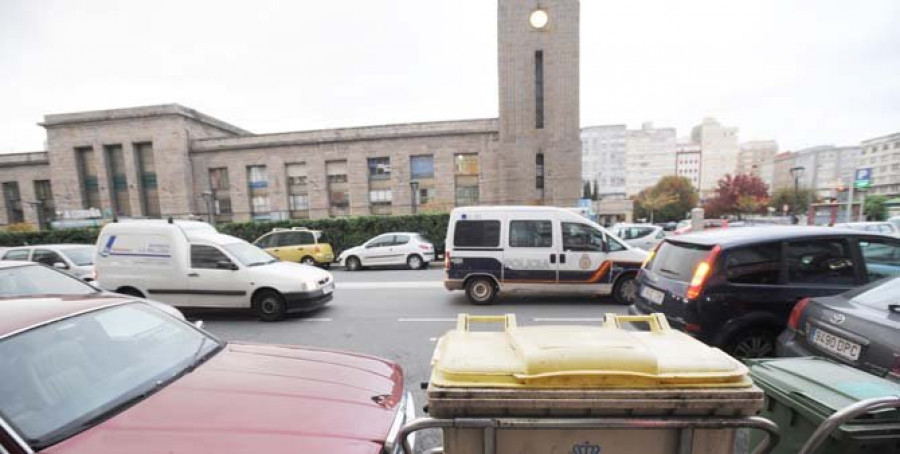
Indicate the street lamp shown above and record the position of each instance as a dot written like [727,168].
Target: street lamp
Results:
[414,187]
[796,172]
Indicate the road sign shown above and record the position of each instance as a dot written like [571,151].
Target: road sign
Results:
[863,178]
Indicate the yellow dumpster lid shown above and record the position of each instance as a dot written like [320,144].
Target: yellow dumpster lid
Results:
[604,356]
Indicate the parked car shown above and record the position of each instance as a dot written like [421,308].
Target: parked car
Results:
[895,220]
[395,248]
[734,288]
[495,249]
[643,236]
[297,244]
[110,375]
[74,259]
[27,279]
[670,226]
[886,228]
[198,268]
[684,227]
[860,328]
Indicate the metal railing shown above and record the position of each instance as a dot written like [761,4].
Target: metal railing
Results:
[686,425]
[845,415]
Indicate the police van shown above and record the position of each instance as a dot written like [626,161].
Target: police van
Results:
[509,249]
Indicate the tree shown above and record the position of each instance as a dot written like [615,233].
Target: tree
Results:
[785,196]
[739,195]
[653,201]
[680,187]
[586,190]
[596,194]
[875,209]
[683,190]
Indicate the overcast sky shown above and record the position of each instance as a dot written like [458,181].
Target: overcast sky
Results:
[802,72]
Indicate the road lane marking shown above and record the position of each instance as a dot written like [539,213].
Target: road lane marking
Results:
[574,319]
[426,319]
[388,285]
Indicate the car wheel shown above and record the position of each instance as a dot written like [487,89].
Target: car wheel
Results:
[414,262]
[753,343]
[353,264]
[308,261]
[481,290]
[269,305]
[625,291]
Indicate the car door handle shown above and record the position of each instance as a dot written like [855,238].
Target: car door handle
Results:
[552,258]
[562,258]
[193,274]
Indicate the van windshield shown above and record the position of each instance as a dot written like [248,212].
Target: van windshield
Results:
[248,254]
[678,260]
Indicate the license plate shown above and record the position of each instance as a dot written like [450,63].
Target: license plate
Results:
[653,295]
[835,344]
[328,289]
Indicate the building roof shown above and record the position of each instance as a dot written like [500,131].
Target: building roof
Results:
[131,113]
[395,131]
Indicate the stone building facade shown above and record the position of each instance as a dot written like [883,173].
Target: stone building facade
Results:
[170,160]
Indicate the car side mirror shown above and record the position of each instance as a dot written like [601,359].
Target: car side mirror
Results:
[226,265]
[60,266]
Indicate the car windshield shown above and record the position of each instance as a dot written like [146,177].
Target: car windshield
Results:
[39,280]
[64,377]
[678,260]
[81,256]
[248,254]
[881,296]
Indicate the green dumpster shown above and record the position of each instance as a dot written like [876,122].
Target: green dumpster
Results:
[802,392]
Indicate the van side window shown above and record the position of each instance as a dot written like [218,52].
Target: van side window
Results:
[305,238]
[580,237]
[759,264]
[206,257]
[21,254]
[820,262]
[477,234]
[530,234]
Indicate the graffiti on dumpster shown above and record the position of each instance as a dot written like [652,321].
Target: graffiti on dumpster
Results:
[585,448]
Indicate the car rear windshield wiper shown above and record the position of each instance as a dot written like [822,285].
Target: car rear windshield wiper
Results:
[668,271]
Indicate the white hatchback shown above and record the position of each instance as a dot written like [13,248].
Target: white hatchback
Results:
[644,236]
[395,248]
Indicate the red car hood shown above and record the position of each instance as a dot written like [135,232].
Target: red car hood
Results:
[259,399]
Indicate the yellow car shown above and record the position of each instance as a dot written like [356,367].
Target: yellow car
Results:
[298,244]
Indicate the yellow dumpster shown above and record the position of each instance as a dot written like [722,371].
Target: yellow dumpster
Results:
[586,390]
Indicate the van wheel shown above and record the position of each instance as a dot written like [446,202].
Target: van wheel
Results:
[414,262]
[752,343]
[269,305]
[353,264]
[308,261]
[130,291]
[481,290]
[625,291]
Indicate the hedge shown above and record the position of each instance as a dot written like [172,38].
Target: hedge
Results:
[342,233]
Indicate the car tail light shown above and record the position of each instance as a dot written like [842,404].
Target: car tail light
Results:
[896,369]
[701,273]
[692,327]
[447,260]
[651,254]
[425,247]
[94,274]
[317,249]
[794,319]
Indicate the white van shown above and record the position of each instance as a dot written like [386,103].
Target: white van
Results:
[186,264]
[499,249]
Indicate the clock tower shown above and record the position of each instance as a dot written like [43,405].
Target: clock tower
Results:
[539,146]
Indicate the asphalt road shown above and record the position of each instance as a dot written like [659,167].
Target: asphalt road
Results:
[398,315]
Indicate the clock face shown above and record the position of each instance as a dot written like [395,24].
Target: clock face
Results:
[539,18]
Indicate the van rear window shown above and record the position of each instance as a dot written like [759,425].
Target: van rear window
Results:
[678,260]
[477,234]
